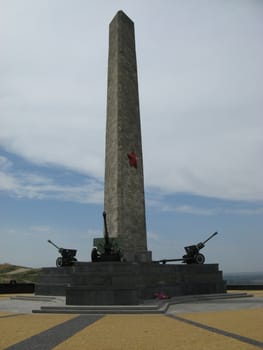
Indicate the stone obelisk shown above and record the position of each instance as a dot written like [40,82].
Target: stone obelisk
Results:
[124,183]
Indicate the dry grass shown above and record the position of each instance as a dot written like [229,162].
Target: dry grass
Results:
[19,273]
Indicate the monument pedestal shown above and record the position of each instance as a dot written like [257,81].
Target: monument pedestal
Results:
[54,280]
[125,283]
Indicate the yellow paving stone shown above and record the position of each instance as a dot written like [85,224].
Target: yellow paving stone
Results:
[256,293]
[8,296]
[147,332]
[20,327]
[245,322]
[4,296]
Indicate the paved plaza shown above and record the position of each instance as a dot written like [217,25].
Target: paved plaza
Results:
[205,324]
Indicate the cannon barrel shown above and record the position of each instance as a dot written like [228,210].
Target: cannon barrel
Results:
[49,241]
[215,233]
[67,257]
[106,248]
[106,232]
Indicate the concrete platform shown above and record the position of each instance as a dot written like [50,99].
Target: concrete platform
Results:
[115,283]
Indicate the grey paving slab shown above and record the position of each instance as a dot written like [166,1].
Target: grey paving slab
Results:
[217,305]
[26,306]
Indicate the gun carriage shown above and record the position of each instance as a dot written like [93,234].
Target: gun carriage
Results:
[193,255]
[67,257]
[106,248]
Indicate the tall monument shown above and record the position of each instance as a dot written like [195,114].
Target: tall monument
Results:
[111,282]
[124,184]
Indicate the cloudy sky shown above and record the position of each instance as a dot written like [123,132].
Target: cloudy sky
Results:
[201,101]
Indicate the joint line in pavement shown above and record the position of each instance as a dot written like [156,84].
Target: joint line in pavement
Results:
[53,336]
[219,331]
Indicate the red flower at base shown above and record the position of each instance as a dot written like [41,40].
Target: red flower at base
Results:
[161,296]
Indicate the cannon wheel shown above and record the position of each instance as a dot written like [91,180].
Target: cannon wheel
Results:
[199,258]
[59,262]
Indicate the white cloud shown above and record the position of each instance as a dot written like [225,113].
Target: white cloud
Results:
[7,182]
[29,185]
[201,86]
[188,209]
[163,204]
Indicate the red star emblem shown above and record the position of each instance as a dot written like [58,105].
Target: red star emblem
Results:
[132,159]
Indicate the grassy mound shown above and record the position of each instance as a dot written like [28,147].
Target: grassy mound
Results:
[20,274]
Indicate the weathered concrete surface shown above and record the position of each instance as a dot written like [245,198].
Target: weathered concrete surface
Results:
[124,182]
[53,280]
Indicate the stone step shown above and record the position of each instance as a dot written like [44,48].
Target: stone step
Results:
[106,309]
[156,306]
[121,309]
[33,298]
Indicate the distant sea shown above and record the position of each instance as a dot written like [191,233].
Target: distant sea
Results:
[244,278]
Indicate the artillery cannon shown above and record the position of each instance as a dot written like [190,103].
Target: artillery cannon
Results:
[67,257]
[107,249]
[192,255]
